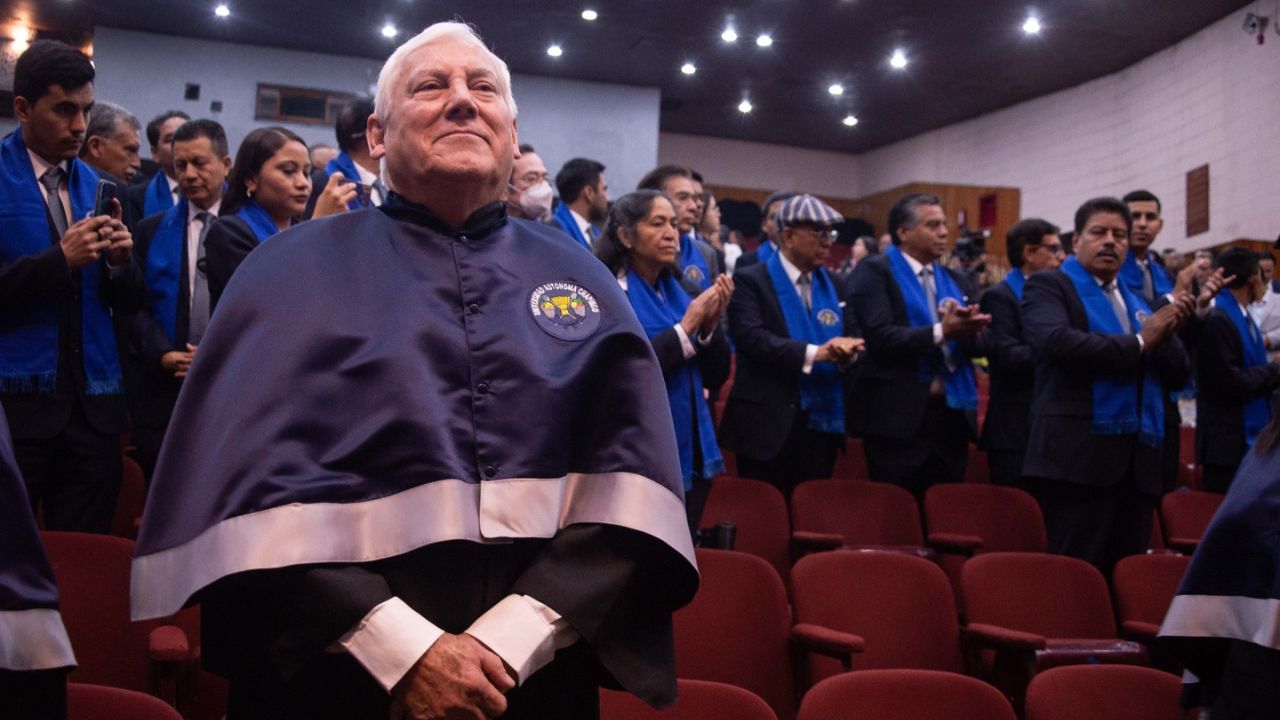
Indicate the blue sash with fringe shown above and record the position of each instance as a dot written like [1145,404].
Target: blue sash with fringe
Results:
[1257,412]
[1118,409]
[258,220]
[165,267]
[29,332]
[957,376]
[345,165]
[658,310]
[158,198]
[1131,276]
[821,391]
[1016,281]
[565,219]
[693,263]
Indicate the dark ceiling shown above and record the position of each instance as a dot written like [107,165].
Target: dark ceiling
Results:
[966,57]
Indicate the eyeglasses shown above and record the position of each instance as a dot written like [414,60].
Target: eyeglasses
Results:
[823,233]
[1055,249]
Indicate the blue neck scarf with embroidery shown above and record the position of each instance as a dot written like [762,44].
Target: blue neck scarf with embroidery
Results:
[569,224]
[821,391]
[766,250]
[29,332]
[1257,412]
[257,219]
[158,197]
[957,375]
[1016,281]
[1120,407]
[165,267]
[345,165]
[658,310]
[693,263]
[1131,276]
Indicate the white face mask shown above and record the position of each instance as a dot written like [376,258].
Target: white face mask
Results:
[536,201]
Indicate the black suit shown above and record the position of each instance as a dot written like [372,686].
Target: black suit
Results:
[912,439]
[228,243]
[1098,491]
[763,422]
[1012,370]
[1223,387]
[747,259]
[67,442]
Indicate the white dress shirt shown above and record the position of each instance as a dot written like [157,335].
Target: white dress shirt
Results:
[368,179]
[194,227]
[175,192]
[1266,314]
[917,267]
[42,166]
[584,227]
[1116,294]
[686,344]
[793,274]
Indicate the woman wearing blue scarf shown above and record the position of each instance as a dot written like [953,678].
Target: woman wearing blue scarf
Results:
[640,245]
[266,192]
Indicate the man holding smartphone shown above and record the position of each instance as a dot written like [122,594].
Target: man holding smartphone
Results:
[64,270]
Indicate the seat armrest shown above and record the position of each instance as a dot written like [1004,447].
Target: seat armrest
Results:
[825,641]
[955,543]
[168,643]
[806,541]
[1187,546]
[1001,638]
[1139,630]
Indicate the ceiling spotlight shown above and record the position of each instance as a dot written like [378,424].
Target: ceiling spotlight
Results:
[688,68]
[729,35]
[555,51]
[1031,26]
[590,14]
[850,120]
[222,11]
[389,31]
[764,40]
[836,89]
[899,59]
[744,107]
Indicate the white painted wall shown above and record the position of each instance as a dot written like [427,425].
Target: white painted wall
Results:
[760,166]
[615,124]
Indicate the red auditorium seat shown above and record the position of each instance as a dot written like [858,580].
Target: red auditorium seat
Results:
[1104,692]
[1186,445]
[852,463]
[828,514]
[1038,611]
[698,700]
[1144,587]
[977,470]
[738,630]
[92,572]
[133,493]
[1185,514]
[98,702]
[904,695]
[968,518]
[901,606]
[759,512]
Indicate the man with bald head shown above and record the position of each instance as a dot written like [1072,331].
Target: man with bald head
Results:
[406,488]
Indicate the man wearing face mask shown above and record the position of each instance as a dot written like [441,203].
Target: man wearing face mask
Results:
[529,192]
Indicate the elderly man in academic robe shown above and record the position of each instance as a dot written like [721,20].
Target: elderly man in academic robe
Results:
[431,473]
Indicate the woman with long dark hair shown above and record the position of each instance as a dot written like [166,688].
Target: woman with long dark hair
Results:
[640,245]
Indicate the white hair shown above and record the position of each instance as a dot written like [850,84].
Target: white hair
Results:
[439,31]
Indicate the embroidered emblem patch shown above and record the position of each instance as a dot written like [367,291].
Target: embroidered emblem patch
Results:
[694,273]
[828,317]
[564,310]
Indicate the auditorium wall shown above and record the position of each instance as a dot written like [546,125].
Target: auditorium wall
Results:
[147,73]
[761,166]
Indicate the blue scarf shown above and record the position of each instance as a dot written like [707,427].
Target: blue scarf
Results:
[692,262]
[821,392]
[658,310]
[961,385]
[766,250]
[257,219]
[567,222]
[345,165]
[165,267]
[1131,276]
[29,333]
[1016,281]
[1116,400]
[158,198]
[1257,412]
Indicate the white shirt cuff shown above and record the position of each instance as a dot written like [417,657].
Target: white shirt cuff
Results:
[937,333]
[1203,312]
[1142,344]
[390,640]
[524,633]
[810,352]
[685,344]
[1273,339]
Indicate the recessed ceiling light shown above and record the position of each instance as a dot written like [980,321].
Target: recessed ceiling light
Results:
[222,11]
[850,120]
[1031,26]
[764,40]
[836,89]
[389,31]
[590,14]
[555,51]
[744,107]
[899,59]
[688,68]
[729,35]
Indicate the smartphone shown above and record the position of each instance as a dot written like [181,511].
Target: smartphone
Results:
[363,192]
[102,200]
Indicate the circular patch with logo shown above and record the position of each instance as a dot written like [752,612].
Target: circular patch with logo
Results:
[564,310]
[828,317]
[694,273]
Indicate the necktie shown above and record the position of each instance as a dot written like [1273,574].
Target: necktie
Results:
[1148,287]
[805,284]
[930,292]
[198,317]
[52,182]
[381,196]
[1117,306]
